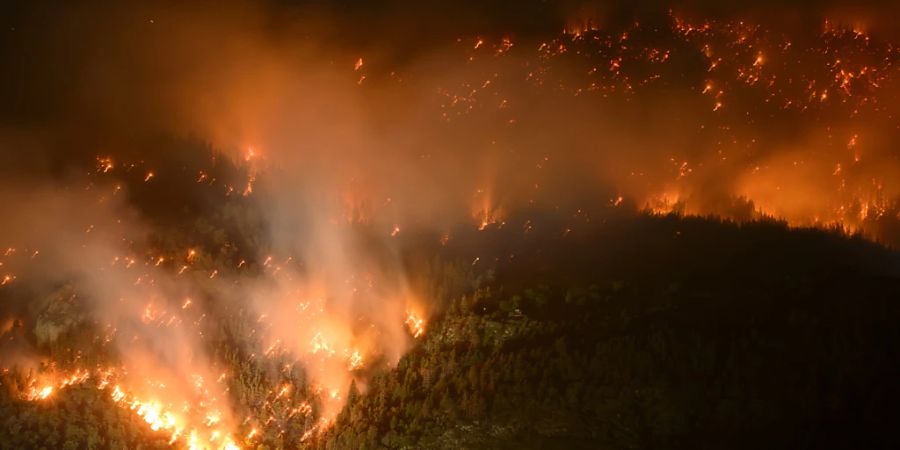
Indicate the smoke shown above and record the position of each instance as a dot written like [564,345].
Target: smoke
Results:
[78,253]
[425,126]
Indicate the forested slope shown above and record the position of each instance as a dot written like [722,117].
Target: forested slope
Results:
[720,337]
[637,332]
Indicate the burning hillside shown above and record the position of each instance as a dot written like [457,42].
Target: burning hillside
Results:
[234,224]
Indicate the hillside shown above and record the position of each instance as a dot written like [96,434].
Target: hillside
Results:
[743,337]
[630,332]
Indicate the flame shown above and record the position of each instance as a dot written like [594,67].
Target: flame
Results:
[415,323]
[104,164]
[158,415]
[355,361]
[485,212]
[40,393]
[319,344]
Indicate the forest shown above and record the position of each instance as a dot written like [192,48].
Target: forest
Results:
[644,331]
[502,224]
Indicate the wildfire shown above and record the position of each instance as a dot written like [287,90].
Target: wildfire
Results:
[355,361]
[104,164]
[40,393]
[488,216]
[737,61]
[665,203]
[415,323]
[320,345]
[158,415]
